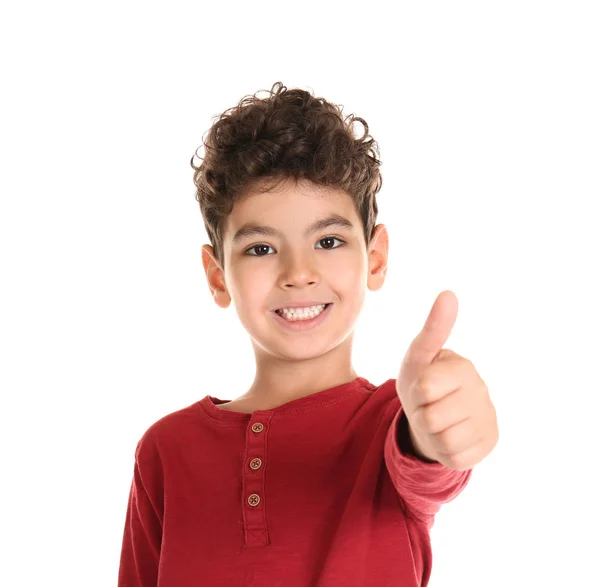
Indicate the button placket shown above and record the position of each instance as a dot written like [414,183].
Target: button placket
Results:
[255,521]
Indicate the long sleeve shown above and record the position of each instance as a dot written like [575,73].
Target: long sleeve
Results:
[422,486]
[142,536]
[299,495]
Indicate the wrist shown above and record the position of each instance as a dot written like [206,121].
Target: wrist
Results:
[409,443]
[418,448]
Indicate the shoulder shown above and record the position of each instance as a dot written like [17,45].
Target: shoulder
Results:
[382,400]
[385,392]
[163,432]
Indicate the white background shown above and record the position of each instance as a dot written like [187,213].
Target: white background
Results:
[487,116]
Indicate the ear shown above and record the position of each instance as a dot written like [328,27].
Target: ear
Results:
[215,277]
[378,257]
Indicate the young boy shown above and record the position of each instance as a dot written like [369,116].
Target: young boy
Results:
[314,477]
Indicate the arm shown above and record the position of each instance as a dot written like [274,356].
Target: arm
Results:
[408,442]
[142,537]
[422,485]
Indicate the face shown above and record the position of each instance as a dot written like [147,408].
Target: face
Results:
[298,244]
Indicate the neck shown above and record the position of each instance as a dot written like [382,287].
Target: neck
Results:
[278,381]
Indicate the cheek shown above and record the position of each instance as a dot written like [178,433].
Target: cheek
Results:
[348,273]
[250,286]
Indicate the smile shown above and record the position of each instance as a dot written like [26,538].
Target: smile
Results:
[303,318]
[294,314]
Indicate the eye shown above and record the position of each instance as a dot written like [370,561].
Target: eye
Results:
[262,250]
[329,239]
[255,248]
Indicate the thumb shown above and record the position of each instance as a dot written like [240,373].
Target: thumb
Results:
[429,342]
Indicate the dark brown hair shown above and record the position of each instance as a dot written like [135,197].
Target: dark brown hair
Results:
[290,134]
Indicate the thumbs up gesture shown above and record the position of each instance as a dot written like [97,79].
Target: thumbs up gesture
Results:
[450,415]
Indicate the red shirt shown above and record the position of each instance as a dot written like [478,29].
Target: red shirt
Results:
[316,492]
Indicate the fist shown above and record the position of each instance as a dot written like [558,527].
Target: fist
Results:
[450,415]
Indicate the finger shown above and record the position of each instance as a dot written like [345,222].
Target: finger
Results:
[436,330]
[457,439]
[466,459]
[440,379]
[438,416]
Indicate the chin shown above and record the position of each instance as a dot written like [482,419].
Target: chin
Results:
[305,351]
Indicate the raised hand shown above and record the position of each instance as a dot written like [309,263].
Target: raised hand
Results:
[451,417]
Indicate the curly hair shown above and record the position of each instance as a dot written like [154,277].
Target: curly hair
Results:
[290,134]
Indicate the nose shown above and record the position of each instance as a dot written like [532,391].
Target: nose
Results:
[298,270]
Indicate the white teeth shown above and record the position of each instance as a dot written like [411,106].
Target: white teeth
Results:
[301,313]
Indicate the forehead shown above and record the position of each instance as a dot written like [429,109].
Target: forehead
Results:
[290,204]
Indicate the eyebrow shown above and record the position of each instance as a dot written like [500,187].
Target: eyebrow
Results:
[251,229]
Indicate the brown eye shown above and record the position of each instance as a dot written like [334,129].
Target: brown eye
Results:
[258,248]
[329,240]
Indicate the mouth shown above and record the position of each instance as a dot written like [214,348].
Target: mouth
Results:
[303,319]
[302,314]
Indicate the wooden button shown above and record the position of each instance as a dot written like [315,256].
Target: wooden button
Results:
[257,427]
[255,464]
[254,499]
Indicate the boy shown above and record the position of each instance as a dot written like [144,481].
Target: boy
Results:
[314,477]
